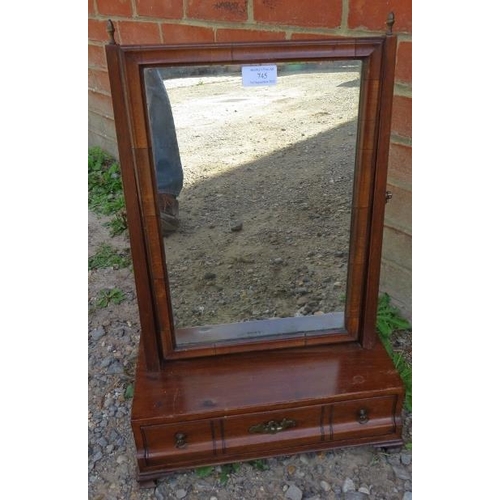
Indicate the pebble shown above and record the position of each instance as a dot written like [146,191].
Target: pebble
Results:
[98,333]
[407,495]
[348,485]
[236,226]
[406,458]
[325,486]
[293,493]
[356,495]
[180,494]
[401,472]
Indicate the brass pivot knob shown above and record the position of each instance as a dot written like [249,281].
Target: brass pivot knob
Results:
[363,416]
[180,440]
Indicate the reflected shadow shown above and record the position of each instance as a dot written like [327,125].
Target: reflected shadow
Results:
[267,239]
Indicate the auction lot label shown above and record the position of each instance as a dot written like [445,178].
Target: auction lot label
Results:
[255,76]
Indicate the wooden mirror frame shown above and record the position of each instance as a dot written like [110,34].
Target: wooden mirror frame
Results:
[126,64]
[307,394]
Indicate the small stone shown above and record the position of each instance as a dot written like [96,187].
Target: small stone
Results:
[401,472]
[394,459]
[180,494]
[407,495]
[348,485]
[209,276]
[293,493]
[406,458]
[98,333]
[356,495]
[236,226]
[337,284]
[325,486]
[364,489]
[302,301]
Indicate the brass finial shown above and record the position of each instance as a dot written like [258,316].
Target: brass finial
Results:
[390,23]
[110,28]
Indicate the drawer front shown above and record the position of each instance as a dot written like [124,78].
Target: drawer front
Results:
[314,426]
[179,442]
[276,429]
[364,417]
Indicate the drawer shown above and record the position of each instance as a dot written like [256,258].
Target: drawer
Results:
[178,442]
[213,440]
[271,430]
[364,417]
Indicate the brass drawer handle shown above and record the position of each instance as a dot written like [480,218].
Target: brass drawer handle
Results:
[363,416]
[272,427]
[180,440]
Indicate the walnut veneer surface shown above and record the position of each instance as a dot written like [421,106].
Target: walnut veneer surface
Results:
[333,395]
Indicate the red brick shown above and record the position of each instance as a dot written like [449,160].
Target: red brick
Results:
[91,8]
[219,10]
[178,33]
[100,103]
[114,7]
[401,116]
[400,159]
[99,81]
[323,13]
[136,32]
[164,9]
[403,62]
[97,30]
[97,56]
[226,35]
[372,14]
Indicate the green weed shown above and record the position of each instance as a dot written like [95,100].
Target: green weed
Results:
[107,256]
[109,296]
[204,471]
[105,191]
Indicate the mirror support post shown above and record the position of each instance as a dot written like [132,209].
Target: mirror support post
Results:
[152,346]
[368,332]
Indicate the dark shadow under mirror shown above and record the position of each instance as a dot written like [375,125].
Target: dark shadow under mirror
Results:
[262,169]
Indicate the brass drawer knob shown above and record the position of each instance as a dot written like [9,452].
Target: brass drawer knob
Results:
[363,416]
[272,427]
[180,440]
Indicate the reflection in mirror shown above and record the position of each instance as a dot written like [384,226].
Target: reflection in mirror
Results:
[262,178]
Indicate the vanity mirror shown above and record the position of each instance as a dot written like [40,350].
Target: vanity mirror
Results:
[258,310]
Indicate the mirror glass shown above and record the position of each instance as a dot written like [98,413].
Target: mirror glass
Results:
[261,162]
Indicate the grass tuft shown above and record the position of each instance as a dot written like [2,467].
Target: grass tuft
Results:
[107,256]
[105,189]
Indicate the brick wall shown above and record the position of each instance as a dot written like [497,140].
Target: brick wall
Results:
[164,21]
